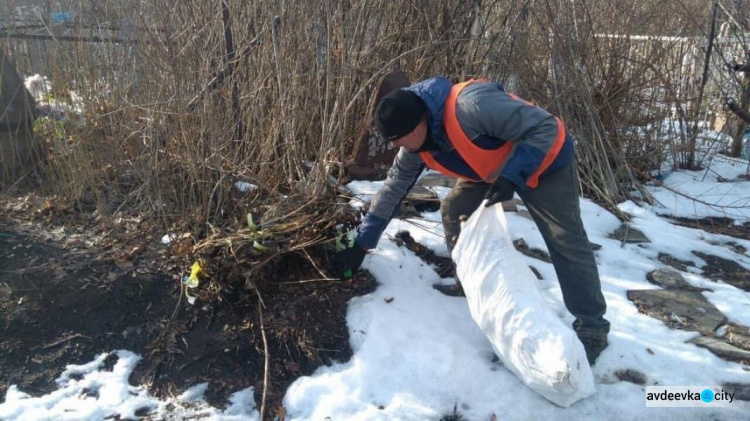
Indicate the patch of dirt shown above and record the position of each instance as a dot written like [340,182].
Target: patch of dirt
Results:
[55,312]
[457,416]
[632,376]
[715,225]
[444,266]
[674,262]
[419,199]
[539,254]
[62,303]
[720,269]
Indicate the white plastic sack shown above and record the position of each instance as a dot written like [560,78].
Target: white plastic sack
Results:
[505,301]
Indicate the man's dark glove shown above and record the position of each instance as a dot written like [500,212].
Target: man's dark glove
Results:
[349,260]
[500,191]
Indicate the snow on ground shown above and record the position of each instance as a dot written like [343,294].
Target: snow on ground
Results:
[716,199]
[91,392]
[418,354]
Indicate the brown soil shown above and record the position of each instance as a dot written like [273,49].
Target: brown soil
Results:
[64,301]
[720,269]
[632,376]
[68,294]
[674,262]
[715,225]
[443,265]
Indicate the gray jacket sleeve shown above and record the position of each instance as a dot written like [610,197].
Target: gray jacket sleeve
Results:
[401,178]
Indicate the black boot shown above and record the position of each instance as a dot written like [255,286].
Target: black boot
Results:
[593,346]
[445,268]
[455,290]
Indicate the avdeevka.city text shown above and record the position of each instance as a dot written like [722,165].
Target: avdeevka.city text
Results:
[689,395]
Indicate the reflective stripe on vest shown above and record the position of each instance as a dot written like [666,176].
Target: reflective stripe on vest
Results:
[435,165]
[487,163]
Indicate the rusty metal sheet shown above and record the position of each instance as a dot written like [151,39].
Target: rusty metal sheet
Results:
[372,156]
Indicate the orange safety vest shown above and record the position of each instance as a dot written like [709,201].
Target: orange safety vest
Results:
[487,163]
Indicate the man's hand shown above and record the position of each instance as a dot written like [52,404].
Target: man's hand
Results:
[500,191]
[349,260]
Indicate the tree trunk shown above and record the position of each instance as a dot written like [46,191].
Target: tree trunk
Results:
[693,133]
[745,105]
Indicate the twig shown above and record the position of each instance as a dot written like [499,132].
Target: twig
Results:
[693,133]
[222,74]
[179,300]
[312,262]
[211,197]
[267,364]
[625,237]
[63,340]
[730,17]
[710,205]
[310,280]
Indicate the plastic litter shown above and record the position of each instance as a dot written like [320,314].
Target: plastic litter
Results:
[192,281]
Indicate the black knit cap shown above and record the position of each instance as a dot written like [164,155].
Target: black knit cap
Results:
[398,114]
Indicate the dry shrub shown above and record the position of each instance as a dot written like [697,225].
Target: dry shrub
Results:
[292,83]
[185,98]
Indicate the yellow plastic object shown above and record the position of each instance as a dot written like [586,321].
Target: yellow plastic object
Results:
[192,281]
[195,271]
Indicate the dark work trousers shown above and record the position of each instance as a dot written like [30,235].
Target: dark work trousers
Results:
[556,210]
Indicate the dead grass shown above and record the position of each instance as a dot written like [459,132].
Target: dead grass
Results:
[196,96]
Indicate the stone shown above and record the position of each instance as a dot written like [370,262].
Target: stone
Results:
[685,310]
[19,151]
[738,336]
[629,235]
[667,279]
[721,348]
